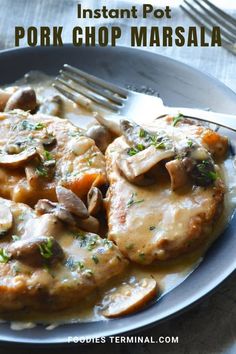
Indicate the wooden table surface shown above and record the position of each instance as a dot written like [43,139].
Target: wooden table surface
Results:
[211,326]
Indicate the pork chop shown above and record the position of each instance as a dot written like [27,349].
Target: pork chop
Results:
[38,152]
[46,264]
[156,221]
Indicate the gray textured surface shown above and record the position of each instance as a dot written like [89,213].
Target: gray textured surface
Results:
[211,326]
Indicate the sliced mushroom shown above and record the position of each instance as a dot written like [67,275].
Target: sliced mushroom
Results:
[142,162]
[94,200]
[110,124]
[45,206]
[12,148]
[90,224]
[24,98]
[32,177]
[71,202]
[178,174]
[6,219]
[100,135]
[129,298]
[36,251]
[18,160]
[4,97]
[131,132]
[52,106]
[64,215]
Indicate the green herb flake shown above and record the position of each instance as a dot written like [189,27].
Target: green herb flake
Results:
[132,201]
[26,125]
[4,256]
[80,265]
[132,151]
[46,248]
[78,234]
[177,119]
[47,155]
[142,133]
[107,243]
[157,142]
[212,175]
[39,126]
[15,238]
[95,259]
[91,242]
[41,171]
[190,143]
[142,256]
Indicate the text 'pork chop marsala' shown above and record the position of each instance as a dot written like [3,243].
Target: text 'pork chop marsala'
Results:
[165,189]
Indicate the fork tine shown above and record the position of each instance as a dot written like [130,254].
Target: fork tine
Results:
[214,15]
[81,82]
[95,80]
[227,36]
[220,12]
[79,99]
[103,103]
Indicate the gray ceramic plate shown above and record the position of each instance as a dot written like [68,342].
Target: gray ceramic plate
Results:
[178,85]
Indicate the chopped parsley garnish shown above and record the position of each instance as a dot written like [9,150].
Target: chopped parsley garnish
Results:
[26,125]
[203,168]
[134,150]
[190,143]
[15,238]
[91,243]
[74,265]
[142,256]
[177,119]
[107,243]
[142,133]
[39,126]
[132,201]
[4,256]
[80,265]
[47,155]
[95,259]
[46,248]
[41,171]
[157,142]
[212,175]
[79,234]
[204,173]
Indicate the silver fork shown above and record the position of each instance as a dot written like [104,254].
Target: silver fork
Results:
[138,107]
[206,14]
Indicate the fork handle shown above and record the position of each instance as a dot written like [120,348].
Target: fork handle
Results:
[222,119]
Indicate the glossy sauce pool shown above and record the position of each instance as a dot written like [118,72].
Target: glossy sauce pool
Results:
[167,274]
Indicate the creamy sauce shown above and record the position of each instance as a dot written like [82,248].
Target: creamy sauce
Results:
[168,274]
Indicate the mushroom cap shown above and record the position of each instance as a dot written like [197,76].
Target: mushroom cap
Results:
[71,202]
[36,251]
[18,160]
